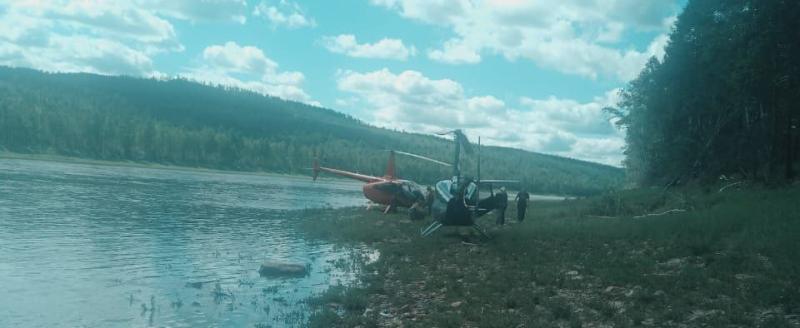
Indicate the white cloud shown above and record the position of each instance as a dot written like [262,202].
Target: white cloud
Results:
[573,36]
[564,127]
[105,37]
[606,150]
[576,117]
[430,11]
[286,14]
[409,98]
[96,37]
[383,49]
[200,11]
[456,51]
[247,67]
[109,21]
[412,101]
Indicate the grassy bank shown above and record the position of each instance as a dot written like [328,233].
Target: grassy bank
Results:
[731,259]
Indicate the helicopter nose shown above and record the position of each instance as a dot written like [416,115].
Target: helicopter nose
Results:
[379,192]
[370,192]
[367,188]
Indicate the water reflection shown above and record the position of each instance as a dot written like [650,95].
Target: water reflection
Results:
[102,246]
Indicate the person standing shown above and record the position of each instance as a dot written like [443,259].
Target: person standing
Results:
[501,199]
[429,200]
[416,211]
[522,204]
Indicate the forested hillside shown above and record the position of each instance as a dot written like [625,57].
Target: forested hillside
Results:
[184,123]
[725,100]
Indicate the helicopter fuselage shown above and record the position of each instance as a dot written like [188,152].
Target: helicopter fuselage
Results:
[393,192]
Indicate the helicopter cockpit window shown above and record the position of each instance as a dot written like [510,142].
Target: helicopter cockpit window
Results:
[471,188]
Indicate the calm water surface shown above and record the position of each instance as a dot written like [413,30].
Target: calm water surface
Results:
[103,246]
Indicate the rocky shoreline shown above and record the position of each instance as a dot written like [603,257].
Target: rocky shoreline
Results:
[561,268]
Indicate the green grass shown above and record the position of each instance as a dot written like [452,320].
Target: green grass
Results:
[730,260]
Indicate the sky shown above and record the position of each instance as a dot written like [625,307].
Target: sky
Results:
[528,74]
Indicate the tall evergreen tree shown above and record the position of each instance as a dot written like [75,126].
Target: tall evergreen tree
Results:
[724,100]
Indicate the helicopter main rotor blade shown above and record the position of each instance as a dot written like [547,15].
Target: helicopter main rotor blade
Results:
[422,158]
[441,133]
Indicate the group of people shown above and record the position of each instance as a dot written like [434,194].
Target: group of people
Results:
[422,207]
[501,201]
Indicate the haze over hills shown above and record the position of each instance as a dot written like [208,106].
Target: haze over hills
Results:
[178,122]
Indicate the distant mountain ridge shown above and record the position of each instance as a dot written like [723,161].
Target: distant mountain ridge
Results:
[179,122]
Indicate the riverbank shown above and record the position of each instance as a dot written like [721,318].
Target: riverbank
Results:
[638,258]
[148,165]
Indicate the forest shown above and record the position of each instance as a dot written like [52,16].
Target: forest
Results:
[723,102]
[179,122]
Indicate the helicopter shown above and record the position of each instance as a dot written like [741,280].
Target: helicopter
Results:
[388,190]
[457,200]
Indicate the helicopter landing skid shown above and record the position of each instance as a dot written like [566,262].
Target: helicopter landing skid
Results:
[431,228]
[480,231]
[436,225]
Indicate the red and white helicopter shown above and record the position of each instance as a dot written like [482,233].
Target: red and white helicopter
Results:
[388,190]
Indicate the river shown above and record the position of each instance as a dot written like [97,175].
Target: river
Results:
[86,245]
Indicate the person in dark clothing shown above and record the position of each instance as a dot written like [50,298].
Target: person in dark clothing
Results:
[522,204]
[417,211]
[429,200]
[501,199]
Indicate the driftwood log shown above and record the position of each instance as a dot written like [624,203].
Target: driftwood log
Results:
[677,210]
[272,269]
[730,185]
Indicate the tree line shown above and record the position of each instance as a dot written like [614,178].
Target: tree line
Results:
[178,122]
[724,101]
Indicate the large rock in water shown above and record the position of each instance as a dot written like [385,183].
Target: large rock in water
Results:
[271,269]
